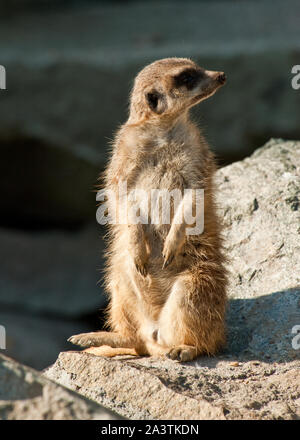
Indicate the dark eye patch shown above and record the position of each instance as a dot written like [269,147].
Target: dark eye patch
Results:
[189,78]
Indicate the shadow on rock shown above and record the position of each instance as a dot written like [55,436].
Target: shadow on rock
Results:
[261,328]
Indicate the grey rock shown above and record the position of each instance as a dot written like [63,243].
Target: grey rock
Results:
[55,273]
[26,395]
[69,72]
[161,389]
[258,201]
[263,327]
[133,388]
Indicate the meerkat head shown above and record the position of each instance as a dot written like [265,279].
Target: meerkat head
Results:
[169,87]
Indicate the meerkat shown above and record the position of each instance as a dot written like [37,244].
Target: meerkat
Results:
[167,289]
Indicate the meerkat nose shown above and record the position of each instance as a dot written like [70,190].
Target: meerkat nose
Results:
[221,78]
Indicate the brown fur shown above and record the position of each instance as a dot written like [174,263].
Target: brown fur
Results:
[167,289]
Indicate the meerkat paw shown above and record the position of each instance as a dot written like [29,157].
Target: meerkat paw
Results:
[92,339]
[182,353]
[170,251]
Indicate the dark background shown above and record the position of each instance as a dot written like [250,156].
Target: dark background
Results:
[70,67]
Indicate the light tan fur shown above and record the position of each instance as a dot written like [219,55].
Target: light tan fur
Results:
[167,289]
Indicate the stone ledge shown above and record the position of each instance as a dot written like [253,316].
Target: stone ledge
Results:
[26,395]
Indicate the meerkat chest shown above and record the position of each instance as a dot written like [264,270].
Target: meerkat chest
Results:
[159,187]
[164,170]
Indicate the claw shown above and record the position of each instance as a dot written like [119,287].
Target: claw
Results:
[168,262]
[81,341]
[73,341]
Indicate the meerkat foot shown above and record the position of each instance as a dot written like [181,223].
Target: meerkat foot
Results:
[182,353]
[87,340]
[97,339]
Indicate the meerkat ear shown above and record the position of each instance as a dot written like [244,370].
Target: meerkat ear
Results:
[156,101]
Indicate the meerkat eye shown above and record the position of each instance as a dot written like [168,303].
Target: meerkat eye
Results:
[156,101]
[188,78]
[152,99]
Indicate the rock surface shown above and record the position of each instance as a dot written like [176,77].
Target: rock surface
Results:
[26,395]
[259,200]
[258,375]
[161,389]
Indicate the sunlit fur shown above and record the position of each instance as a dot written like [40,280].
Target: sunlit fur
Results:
[178,310]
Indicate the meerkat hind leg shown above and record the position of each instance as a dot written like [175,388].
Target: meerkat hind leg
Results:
[188,322]
[174,323]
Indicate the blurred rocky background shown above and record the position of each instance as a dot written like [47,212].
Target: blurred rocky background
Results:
[70,67]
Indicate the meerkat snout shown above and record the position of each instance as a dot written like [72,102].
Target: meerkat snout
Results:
[222,78]
[215,75]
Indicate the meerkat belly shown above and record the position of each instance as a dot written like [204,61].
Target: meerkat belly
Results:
[154,194]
